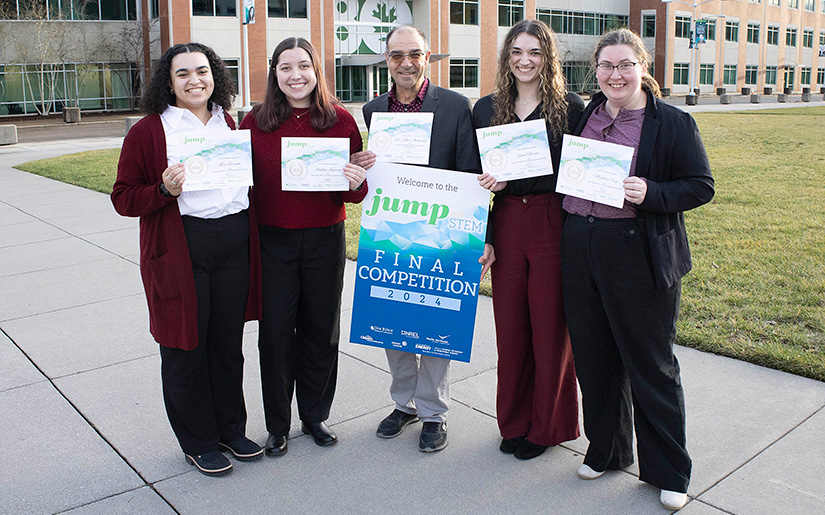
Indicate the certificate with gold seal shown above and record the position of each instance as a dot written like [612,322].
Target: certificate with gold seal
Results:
[314,164]
[214,161]
[401,137]
[515,150]
[594,170]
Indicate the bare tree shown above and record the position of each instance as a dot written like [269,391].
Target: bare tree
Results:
[128,46]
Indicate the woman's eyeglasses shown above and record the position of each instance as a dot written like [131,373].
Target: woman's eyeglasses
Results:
[625,68]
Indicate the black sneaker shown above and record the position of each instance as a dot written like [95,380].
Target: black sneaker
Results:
[213,463]
[243,449]
[433,437]
[394,424]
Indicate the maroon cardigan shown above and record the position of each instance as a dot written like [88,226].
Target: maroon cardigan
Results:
[165,265]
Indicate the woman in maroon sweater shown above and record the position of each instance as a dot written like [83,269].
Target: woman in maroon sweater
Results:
[302,246]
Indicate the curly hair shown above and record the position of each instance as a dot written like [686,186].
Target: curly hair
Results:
[158,94]
[552,90]
[629,38]
[275,108]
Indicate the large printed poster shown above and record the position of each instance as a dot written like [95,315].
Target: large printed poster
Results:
[417,278]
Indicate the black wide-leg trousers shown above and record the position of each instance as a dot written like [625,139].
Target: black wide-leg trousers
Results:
[203,388]
[303,276]
[622,330]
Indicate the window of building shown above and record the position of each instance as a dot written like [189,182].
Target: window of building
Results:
[775,3]
[773,34]
[805,76]
[808,38]
[680,74]
[790,37]
[753,33]
[822,33]
[648,25]
[751,73]
[711,30]
[793,4]
[91,10]
[820,76]
[154,9]
[233,68]
[823,6]
[464,13]
[705,74]
[729,75]
[214,7]
[579,76]
[732,31]
[463,73]
[809,5]
[510,12]
[770,75]
[574,22]
[682,26]
[286,8]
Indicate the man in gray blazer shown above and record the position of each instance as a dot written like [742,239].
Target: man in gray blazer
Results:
[420,384]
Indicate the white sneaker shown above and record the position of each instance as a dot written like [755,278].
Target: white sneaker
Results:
[672,500]
[585,472]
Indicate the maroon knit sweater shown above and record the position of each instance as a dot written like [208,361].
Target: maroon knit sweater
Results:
[297,209]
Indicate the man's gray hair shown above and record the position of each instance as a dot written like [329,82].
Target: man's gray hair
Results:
[412,28]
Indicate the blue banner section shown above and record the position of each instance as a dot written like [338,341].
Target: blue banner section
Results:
[417,278]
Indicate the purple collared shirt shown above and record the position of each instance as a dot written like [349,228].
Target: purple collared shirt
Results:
[625,129]
[412,107]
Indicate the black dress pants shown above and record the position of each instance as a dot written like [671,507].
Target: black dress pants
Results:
[303,275]
[622,330]
[203,388]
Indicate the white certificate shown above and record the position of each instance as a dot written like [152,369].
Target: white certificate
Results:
[213,161]
[314,164]
[594,170]
[401,137]
[515,150]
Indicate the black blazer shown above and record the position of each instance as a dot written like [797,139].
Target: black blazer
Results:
[453,144]
[672,159]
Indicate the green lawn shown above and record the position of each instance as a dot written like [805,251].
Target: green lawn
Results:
[757,290]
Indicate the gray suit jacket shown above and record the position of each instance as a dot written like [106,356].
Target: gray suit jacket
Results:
[453,145]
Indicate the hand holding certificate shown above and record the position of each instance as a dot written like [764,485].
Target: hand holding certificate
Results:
[214,162]
[401,137]
[515,150]
[594,170]
[314,164]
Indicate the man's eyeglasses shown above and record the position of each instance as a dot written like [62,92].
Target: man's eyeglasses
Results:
[625,68]
[398,57]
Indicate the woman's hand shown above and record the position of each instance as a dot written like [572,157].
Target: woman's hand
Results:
[365,159]
[487,259]
[355,175]
[635,190]
[488,182]
[173,178]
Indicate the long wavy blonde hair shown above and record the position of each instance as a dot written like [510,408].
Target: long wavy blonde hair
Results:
[552,89]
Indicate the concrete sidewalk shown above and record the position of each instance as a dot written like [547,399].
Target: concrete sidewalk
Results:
[86,432]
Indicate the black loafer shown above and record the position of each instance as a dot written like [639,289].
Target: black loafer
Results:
[212,463]
[319,431]
[243,449]
[276,445]
[529,450]
[394,424]
[509,445]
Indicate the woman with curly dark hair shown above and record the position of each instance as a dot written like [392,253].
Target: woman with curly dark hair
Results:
[199,257]
[537,400]
[302,246]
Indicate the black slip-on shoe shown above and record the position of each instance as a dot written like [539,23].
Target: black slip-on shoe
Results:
[395,423]
[529,450]
[509,445]
[212,463]
[243,449]
[319,431]
[276,445]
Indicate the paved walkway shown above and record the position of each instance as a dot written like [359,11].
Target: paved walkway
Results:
[85,430]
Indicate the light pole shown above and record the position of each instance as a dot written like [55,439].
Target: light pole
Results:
[694,45]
